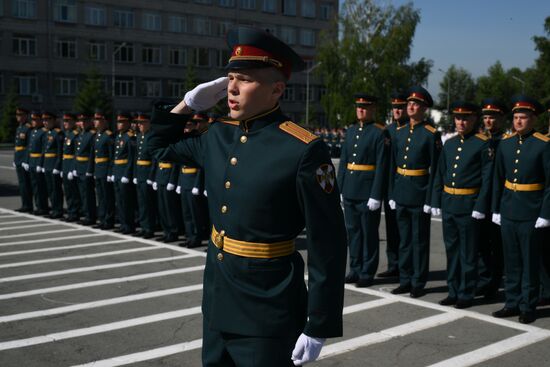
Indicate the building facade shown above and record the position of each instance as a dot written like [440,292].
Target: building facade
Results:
[144,49]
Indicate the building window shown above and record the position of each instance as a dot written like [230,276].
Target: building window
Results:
[151,22]
[125,53]
[176,89]
[308,8]
[24,45]
[247,4]
[96,51]
[307,37]
[223,27]
[177,24]
[201,57]
[65,86]
[151,55]
[288,35]
[178,56]
[125,87]
[202,26]
[123,18]
[222,58]
[269,6]
[289,94]
[289,7]
[65,48]
[64,11]
[326,10]
[152,88]
[95,16]
[227,3]
[23,8]
[25,85]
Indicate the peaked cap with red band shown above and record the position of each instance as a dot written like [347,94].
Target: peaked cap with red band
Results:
[123,117]
[98,114]
[48,115]
[492,106]
[254,48]
[419,94]
[362,99]
[140,117]
[67,116]
[522,103]
[398,99]
[464,108]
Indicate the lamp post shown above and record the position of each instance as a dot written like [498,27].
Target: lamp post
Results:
[115,51]
[448,90]
[522,83]
[307,89]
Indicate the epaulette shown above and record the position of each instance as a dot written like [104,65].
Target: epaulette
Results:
[482,136]
[542,137]
[57,129]
[93,131]
[44,129]
[230,122]
[108,132]
[130,133]
[28,125]
[298,132]
[380,126]
[430,128]
[400,127]
[75,131]
[506,136]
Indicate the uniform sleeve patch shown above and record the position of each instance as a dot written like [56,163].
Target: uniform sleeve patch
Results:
[325,177]
[539,136]
[482,137]
[298,132]
[430,128]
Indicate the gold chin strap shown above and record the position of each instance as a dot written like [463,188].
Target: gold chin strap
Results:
[265,59]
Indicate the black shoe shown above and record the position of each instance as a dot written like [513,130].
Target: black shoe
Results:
[41,212]
[71,219]
[87,222]
[170,239]
[527,317]
[463,303]
[506,312]
[388,274]
[363,283]
[23,210]
[139,234]
[108,226]
[118,230]
[96,226]
[402,289]
[351,278]
[148,235]
[194,244]
[417,292]
[129,231]
[491,294]
[56,216]
[543,302]
[449,301]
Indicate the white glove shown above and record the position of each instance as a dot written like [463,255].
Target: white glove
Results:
[478,215]
[373,204]
[75,174]
[307,349]
[61,174]
[25,166]
[124,180]
[155,186]
[88,174]
[542,223]
[206,95]
[70,176]
[205,193]
[134,181]
[55,172]
[195,191]
[170,187]
[13,164]
[149,182]
[38,169]
[178,190]
[496,218]
[436,211]
[341,198]
[392,205]
[427,209]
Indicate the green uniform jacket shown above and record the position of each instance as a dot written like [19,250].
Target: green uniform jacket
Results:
[125,149]
[264,185]
[21,154]
[187,181]
[527,162]
[366,145]
[85,148]
[36,146]
[465,163]
[424,145]
[103,150]
[69,149]
[146,171]
[54,147]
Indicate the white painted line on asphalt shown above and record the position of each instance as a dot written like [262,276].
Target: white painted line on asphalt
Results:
[367,305]
[494,350]
[61,248]
[99,303]
[79,257]
[146,355]
[92,268]
[38,233]
[18,222]
[8,167]
[96,283]
[6,215]
[20,343]
[29,226]
[352,344]
[53,239]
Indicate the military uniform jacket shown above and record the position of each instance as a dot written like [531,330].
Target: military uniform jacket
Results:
[125,151]
[466,162]
[187,181]
[84,153]
[69,150]
[21,154]
[143,164]
[365,145]
[266,179]
[522,159]
[414,148]
[36,147]
[53,149]
[103,154]
[167,174]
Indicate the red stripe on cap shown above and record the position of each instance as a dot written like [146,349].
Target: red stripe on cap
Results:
[251,51]
[418,96]
[524,105]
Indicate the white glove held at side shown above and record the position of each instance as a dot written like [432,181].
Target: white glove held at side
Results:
[204,96]
[436,211]
[373,204]
[496,218]
[134,181]
[124,180]
[70,176]
[427,209]
[88,174]
[307,349]
[155,186]
[75,174]
[195,191]
[542,223]
[149,182]
[25,166]
[178,190]
[170,187]
[477,215]
[38,169]
[205,193]
[392,205]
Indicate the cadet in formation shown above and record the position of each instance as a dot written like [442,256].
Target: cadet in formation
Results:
[53,157]
[36,145]
[102,171]
[84,169]
[70,182]
[20,159]
[166,180]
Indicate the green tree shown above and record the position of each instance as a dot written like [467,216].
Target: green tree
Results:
[8,123]
[92,95]
[457,84]
[537,77]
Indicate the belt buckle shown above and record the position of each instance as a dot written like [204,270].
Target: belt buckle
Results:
[514,186]
[218,241]
[453,191]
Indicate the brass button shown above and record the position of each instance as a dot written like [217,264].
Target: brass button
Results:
[521,142]
[457,157]
[409,140]
[517,161]
[355,146]
[234,161]
[459,149]
[244,139]
[227,184]
[354,154]
[222,233]
[356,136]
[405,157]
[515,180]
[224,209]
[404,166]
[360,129]
[462,141]
[220,257]
[518,151]
[454,174]
[452,183]
[516,170]
[407,149]
[455,166]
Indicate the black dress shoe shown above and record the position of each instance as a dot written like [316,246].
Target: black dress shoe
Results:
[88,223]
[41,212]
[160,239]
[128,231]
[449,301]
[402,289]
[463,303]
[543,302]
[108,226]
[491,294]
[351,278]
[194,244]
[389,274]
[96,226]
[527,317]
[147,235]
[363,283]
[506,312]
[56,216]
[139,234]
[417,292]
[71,219]
[23,210]
[170,239]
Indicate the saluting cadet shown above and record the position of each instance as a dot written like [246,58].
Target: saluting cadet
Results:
[415,153]
[36,145]
[20,158]
[53,156]
[521,205]
[491,266]
[103,160]
[70,182]
[84,168]
[399,113]
[361,176]
[266,179]
[125,147]
[461,193]
[165,182]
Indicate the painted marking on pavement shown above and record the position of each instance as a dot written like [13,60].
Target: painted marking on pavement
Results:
[28,226]
[18,222]
[61,248]
[53,239]
[38,233]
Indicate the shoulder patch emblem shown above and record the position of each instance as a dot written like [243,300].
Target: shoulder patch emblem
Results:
[482,137]
[539,136]
[325,177]
[430,128]
[298,132]
[506,136]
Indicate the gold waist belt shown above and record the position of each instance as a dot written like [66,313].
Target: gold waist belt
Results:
[144,163]
[412,172]
[121,161]
[82,159]
[189,170]
[165,165]
[523,187]
[20,148]
[36,155]
[102,160]
[251,249]
[455,191]
[50,155]
[361,167]
[68,156]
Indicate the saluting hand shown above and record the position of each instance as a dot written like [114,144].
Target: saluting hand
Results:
[204,96]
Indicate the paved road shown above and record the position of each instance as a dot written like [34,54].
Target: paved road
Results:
[75,296]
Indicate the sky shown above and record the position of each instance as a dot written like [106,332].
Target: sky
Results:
[474,34]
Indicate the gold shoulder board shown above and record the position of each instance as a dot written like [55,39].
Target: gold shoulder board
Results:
[130,133]
[506,136]
[380,125]
[430,128]
[93,131]
[482,137]
[298,132]
[75,131]
[231,122]
[108,132]
[57,129]
[539,136]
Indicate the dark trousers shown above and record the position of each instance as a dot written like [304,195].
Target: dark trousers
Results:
[72,196]
[125,205]
[25,188]
[55,192]
[147,207]
[392,237]
[39,190]
[168,211]
[105,202]
[491,263]
[86,187]
[522,251]
[545,265]
[461,237]
[414,248]
[190,216]
[363,241]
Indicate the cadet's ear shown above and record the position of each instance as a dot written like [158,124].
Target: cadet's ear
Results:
[278,89]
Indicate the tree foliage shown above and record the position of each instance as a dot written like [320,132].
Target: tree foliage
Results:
[459,84]
[8,123]
[92,95]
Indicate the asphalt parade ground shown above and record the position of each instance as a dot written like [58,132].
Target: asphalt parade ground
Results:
[71,295]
